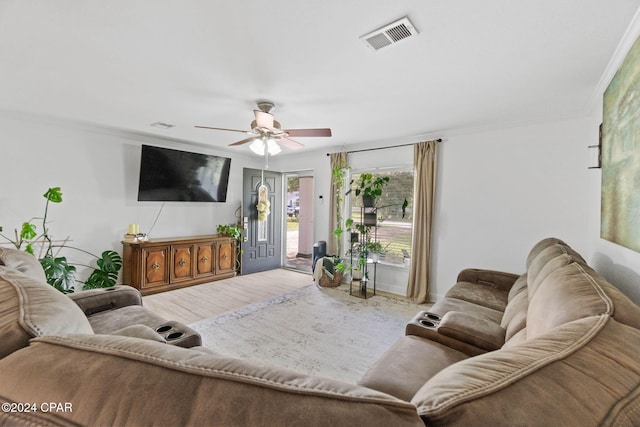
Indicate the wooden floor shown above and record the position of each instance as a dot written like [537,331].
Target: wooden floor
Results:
[199,302]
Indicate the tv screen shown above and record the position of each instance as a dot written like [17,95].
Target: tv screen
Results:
[168,175]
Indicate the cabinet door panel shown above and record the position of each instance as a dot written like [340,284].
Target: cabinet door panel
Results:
[182,265]
[205,264]
[225,257]
[155,266]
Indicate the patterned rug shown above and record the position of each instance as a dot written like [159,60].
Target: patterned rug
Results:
[318,331]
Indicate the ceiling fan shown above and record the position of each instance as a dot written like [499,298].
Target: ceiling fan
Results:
[267,132]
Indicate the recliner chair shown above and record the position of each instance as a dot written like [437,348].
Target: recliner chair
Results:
[116,310]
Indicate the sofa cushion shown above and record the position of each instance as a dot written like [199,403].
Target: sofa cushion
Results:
[118,381]
[405,367]
[539,247]
[519,285]
[548,260]
[515,315]
[575,291]
[575,375]
[31,308]
[476,331]
[23,262]
[481,294]
[445,305]
[565,295]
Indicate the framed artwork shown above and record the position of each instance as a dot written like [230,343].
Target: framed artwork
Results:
[620,193]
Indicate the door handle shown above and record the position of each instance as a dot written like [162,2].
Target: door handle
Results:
[245,227]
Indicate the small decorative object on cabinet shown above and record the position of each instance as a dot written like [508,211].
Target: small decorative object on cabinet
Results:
[165,264]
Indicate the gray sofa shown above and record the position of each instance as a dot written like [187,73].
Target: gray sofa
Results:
[557,345]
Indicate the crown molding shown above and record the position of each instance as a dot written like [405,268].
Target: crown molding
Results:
[628,39]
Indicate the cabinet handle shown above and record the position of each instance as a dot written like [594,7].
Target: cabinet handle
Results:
[225,255]
[155,265]
[182,262]
[204,259]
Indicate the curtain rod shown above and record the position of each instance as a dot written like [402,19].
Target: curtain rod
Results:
[384,148]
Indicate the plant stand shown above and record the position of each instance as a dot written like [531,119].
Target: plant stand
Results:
[361,287]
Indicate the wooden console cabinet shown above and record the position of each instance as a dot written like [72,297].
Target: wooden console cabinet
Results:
[164,264]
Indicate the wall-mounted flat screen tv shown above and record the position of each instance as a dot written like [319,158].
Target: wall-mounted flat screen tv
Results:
[168,175]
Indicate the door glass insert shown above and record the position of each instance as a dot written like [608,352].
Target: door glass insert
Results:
[299,221]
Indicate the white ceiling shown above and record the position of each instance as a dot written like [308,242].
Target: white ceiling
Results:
[475,64]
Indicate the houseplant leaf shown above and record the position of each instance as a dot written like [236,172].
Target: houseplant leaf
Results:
[53,195]
[101,279]
[28,231]
[59,273]
[109,262]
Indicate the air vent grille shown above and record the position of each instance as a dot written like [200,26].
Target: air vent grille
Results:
[390,34]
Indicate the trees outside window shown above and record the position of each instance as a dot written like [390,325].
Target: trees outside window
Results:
[394,230]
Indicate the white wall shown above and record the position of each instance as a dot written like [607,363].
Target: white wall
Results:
[502,191]
[499,192]
[97,170]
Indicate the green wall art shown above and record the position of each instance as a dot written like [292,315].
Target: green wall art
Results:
[620,219]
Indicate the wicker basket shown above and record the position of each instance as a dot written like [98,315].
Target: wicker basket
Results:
[326,282]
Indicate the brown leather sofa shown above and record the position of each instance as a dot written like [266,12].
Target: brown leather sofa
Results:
[566,353]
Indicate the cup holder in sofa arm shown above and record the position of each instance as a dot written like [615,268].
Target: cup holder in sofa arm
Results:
[427,325]
[426,319]
[174,336]
[179,334]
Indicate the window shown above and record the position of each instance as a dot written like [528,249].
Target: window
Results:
[394,230]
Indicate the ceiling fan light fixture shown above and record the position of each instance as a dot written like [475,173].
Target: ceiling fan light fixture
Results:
[272,147]
[257,146]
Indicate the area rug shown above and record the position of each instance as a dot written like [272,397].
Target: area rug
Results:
[318,331]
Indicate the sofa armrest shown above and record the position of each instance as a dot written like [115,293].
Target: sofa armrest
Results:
[471,329]
[93,301]
[493,278]
[139,331]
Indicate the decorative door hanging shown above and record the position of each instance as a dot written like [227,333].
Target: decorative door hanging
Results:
[263,206]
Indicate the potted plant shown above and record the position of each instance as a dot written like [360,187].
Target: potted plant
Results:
[370,187]
[60,273]
[231,230]
[374,249]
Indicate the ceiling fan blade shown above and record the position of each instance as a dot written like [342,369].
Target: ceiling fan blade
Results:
[244,141]
[230,130]
[263,120]
[290,143]
[309,132]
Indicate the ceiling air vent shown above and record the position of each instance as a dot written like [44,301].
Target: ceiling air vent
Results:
[390,34]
